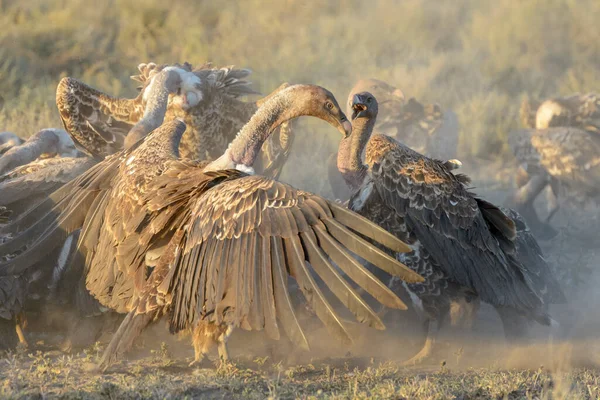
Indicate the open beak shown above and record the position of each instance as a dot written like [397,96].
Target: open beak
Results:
[359,108]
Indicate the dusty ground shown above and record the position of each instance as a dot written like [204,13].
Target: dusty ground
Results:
[479,366]
[46,375]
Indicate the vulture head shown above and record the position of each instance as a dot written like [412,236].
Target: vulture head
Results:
[389,97]
[292,102]
[169,85]
[185,88]
[363,105]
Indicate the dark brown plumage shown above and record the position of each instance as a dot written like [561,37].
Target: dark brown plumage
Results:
[463,246]
[422,127]
[205,243]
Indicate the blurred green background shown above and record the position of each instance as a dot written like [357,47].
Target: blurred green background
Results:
[478,58]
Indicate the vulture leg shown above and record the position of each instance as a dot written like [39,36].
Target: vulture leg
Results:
[552,199]
[523,200]
[521,177]
[432,327]
[205,335]
[515,325]
[19,326]
[222,347]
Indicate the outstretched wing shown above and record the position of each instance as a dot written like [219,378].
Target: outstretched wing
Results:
[98,123]
[243,237]
[465,238]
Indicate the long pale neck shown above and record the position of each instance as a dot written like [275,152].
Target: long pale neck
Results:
[351,150]
[246,146]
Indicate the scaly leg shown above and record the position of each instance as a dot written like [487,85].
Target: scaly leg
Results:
[222,347]
[21,335]
[20,324]
[433,328]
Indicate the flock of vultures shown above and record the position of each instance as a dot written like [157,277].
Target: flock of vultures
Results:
[167,207]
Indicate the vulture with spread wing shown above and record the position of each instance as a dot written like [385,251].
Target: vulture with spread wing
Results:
[205,243]
[207,99]
[463,246]
[423,127]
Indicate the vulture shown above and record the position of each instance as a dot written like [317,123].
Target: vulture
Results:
[558,149]
[208,103]
[422,127]
[207,100]
[207,244]
[464,247]
[45,143]
[8,140]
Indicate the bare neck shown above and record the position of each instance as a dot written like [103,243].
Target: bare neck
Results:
[351,150]
[246,146]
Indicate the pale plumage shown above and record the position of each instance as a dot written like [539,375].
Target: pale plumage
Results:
[8,140]
[559,150]
[45,143]
[211,248]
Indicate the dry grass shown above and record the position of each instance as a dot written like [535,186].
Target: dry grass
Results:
[48,375]
[478,58]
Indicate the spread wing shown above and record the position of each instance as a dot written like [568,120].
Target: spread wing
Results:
[465,236]
[97,123]
[243,237]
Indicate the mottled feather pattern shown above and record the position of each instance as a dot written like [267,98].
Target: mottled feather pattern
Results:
[447,219]
[571,157]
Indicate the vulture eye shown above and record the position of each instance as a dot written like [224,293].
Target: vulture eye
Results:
[369,100]
[329,105]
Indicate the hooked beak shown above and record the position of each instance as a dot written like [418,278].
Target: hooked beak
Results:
[345,127]
[359,108]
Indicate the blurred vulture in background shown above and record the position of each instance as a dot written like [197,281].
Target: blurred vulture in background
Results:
[558,149]
[8,140]
[422,127]
[203,242]
[465,247]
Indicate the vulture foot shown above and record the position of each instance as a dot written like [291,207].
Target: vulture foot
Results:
[427,350]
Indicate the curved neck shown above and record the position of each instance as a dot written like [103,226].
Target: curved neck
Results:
[246,146]
[351,152]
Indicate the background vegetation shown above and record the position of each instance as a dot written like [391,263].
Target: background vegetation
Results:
[476,57]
